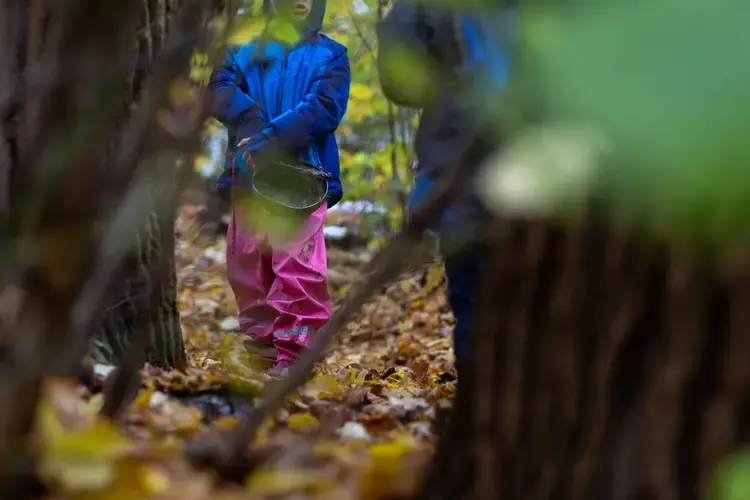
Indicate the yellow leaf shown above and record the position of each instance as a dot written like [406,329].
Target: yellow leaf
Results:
[395,380]
[391,451]
[93,405]
[244,372]
[101,440]
[82,475]
[343,452]
[142,401]
[200,74]
[131,479]
[387,474]
[180,92]
[156,482]
[200,161]
[188,419]
[261,438]
[359,91]
[434,277]
[282,30]
[284,482]
[302,421]
[48,423]
[321,384]
[84,459]
[247,30]
[226,423]
[269,423]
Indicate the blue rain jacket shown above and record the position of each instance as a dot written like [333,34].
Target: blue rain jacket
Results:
[285,97]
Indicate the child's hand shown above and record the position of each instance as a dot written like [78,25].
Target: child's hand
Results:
[246,154]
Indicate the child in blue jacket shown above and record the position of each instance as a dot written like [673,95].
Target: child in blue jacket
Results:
[273,97]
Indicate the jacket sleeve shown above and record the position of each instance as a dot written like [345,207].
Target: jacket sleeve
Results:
[319,113]
[230,104]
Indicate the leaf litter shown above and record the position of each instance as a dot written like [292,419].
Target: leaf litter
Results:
[364,426]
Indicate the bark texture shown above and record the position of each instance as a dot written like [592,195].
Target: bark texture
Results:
[30,42]
[607,367]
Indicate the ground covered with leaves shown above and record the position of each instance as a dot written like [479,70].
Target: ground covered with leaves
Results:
[363,428]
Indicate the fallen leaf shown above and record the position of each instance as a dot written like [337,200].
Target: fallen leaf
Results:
[285,482]
[354,431]
[302,421]
[230,324]
[83,459]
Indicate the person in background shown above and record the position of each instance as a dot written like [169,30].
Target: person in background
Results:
[273,98]
[435,58]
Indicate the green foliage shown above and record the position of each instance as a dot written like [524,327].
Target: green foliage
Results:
[365,135]
[666,82]
[732,478]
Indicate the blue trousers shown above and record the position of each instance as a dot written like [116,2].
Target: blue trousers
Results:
[460,229]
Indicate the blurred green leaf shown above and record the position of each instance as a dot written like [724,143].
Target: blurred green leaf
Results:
[247,28]
[668,81]
[732,478]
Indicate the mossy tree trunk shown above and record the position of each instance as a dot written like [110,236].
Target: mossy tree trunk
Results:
[88,118]
[131,300]
[26,38]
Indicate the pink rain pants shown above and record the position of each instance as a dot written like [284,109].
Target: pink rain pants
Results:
[281,291]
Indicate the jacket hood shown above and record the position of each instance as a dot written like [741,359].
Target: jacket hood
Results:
[313,23]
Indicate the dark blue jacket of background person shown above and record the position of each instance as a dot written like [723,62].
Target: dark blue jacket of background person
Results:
[285,98]
[464,59]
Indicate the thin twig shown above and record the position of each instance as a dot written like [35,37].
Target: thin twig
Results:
[360,33]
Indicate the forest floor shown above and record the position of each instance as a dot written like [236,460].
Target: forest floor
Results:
[363,428]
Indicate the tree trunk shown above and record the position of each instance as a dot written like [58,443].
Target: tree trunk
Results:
[132,301]
[607,367]
[23,28]
[88,117]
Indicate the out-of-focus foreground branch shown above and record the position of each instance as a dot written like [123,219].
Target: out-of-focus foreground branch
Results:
[81,157]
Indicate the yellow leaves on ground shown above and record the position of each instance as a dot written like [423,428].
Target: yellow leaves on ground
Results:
[361,428]
[281,482]
[245,371]
[143,400]
[394,469]
[322,386]
[84,455]
[435,277]
[389,454]
[81,459]
[130,479]
[162,415]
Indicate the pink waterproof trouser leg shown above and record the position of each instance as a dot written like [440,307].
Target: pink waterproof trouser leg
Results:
[280,290]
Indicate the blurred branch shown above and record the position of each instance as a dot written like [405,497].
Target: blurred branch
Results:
[361,35]
[392,132]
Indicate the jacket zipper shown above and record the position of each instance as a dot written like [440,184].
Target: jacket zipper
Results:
[282,82]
